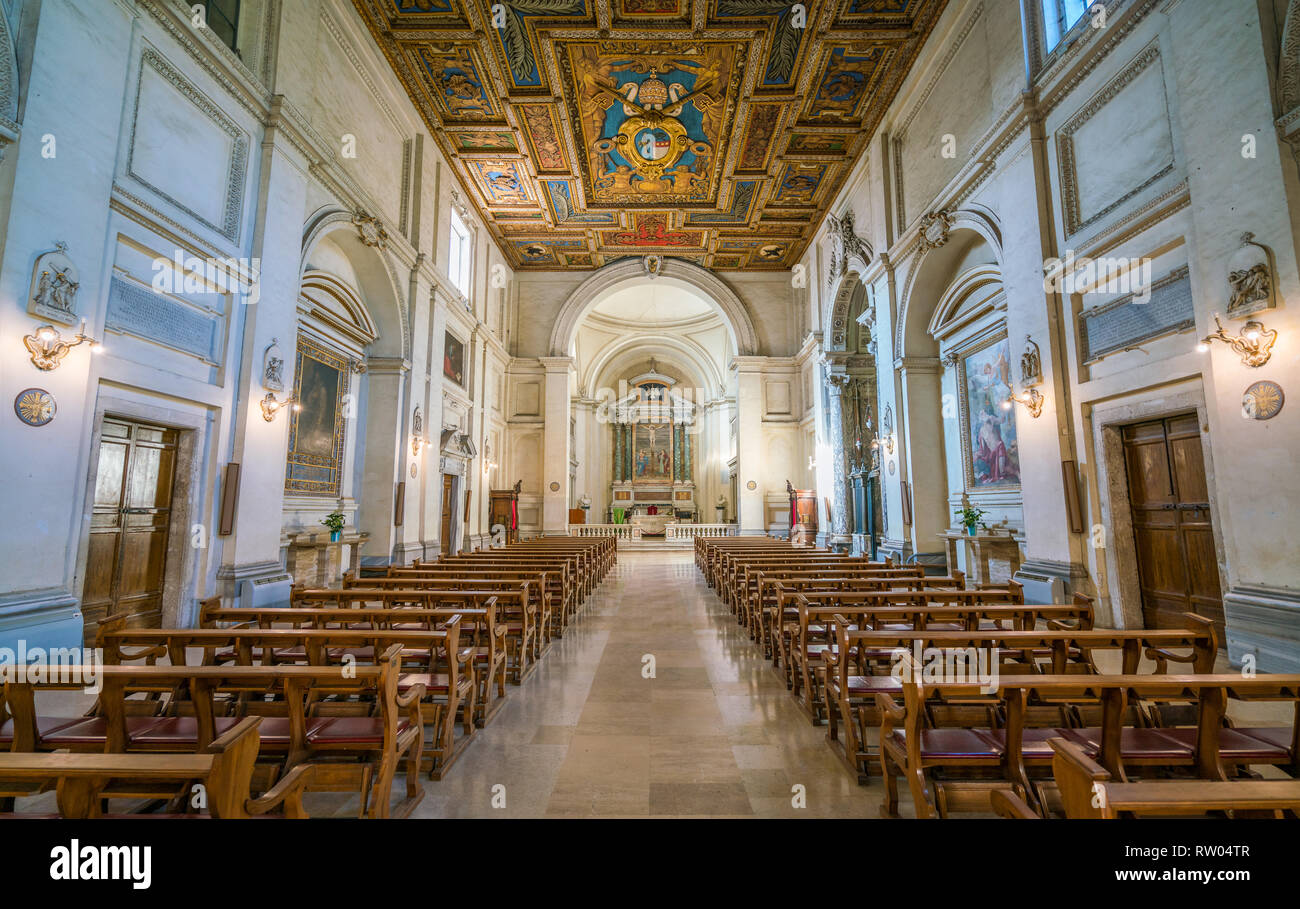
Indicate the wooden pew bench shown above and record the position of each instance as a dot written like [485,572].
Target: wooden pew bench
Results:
[480,631]
[524,599]
[350,724]
[853,686]
[84,782]
[440,670]
[802,620]
[775,589]
[1087,790]
[814,628]
[950,770]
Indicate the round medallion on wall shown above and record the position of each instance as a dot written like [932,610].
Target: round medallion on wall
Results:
[1262,401]
[555,487]
[751,485]
[35,406]
[414,471]
[891,468]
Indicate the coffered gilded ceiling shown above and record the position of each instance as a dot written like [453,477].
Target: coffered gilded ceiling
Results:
[712,130]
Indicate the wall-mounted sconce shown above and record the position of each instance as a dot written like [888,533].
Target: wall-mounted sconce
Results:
[1031,399]
[489,466]
[418,443]
[1254,345]
[271,407]
[48,348]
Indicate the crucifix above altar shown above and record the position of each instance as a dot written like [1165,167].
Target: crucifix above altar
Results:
[653,427]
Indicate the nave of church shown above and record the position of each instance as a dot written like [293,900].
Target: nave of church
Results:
[650,408]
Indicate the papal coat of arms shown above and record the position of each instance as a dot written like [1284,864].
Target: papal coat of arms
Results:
[650,122]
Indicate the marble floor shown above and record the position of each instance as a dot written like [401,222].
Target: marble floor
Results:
[713,733]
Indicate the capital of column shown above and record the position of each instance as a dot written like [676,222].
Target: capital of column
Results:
[387,366]
[919,365]
[556,364]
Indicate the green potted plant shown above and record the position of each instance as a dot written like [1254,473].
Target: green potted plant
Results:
[334,521]
[970,517]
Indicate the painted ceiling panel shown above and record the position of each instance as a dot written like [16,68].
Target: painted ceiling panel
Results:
[712,130]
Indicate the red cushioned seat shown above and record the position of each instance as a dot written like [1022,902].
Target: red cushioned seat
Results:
[1033,741]
[45,725]
[94,731]
[180,730]
[1240,744]
[360,654]
[435,683]
[1280,736]
[274,730]
[867,685]
[353,730]
[1134,744]
[954,744]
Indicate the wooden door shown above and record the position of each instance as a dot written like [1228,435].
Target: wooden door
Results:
[129,524]
[1178,568]
[447,511]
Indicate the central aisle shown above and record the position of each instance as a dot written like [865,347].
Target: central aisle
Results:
[714,733]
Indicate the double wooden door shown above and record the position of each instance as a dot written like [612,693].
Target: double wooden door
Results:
[1178,567]
[129,524]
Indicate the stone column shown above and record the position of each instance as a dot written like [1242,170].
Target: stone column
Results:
[749,445]
[385,454]
[840,537]
[555,444]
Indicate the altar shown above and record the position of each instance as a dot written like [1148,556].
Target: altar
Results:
[653,443]
[653,525]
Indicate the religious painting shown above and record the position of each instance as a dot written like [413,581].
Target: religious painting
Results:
[502,182]
[453,359]
[315,460]
[454,81]
[652,453]
[486,141]
[989,445]
[844,86]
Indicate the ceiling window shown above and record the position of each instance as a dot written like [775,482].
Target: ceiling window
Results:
[223,19]
[458,265]
[1059,16]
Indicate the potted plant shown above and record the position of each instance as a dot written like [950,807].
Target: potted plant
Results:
[970,517]
[334,521]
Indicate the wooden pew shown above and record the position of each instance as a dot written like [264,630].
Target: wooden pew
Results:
[441,670]
[965,610]
[350,724]
[776,586]
[854,684]
[481,631]
[527,618]
[83,782]
[949,770]
[1087,790]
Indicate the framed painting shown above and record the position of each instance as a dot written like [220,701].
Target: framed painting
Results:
[316,431]
[652,453]
[453,359]
[990,448]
